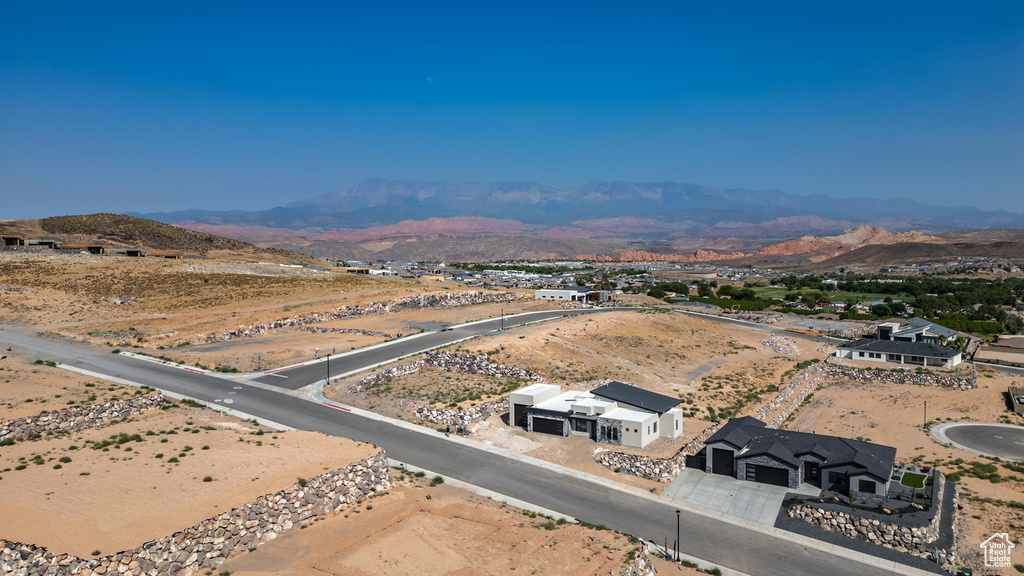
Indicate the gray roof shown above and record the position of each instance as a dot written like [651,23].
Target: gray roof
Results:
[638,397]
[898,347]
[841,454]
[932,327]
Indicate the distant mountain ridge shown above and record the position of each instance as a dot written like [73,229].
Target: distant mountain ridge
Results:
[597,208]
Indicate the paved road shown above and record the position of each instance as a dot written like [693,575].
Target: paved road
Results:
[1003,440]
[729,545]
[303,375]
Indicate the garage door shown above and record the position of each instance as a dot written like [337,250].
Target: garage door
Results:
[519,415]
[721,461]
[770,475]
[546,426]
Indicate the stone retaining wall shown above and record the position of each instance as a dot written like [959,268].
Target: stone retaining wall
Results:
[472,414]
[433,300]
[889,376]
[322,330]
[78,417]
[210,542]
[912,540]
[449,361]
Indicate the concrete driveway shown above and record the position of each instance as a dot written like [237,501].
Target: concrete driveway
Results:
[727,497]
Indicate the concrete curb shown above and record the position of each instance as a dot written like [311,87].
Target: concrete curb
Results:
[484,492]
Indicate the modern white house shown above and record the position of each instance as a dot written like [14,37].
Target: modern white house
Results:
[909,344]
[578,294]
[614,413]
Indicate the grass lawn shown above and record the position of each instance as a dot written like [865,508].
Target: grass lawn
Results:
[912,480]
[836,296]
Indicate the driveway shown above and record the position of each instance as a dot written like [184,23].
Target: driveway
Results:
[727,497]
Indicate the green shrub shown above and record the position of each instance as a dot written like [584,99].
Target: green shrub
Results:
[207,478]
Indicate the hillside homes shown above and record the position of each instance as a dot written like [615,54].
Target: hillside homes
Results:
[916,343]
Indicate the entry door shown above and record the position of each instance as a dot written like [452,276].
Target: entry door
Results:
[812,473]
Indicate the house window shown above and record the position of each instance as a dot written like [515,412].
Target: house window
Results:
[860,354]
[836,477]
[655,426]
[580,425]
[751,472]
[677,424]
[867,486]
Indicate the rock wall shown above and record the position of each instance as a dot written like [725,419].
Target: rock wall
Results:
[210,542]
[78,417]
[322,330]
[433,300]
[913,540]
[888,376]
[472,414]
[657,469]
[449,361]
[805,381]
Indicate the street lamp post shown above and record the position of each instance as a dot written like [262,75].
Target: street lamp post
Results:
[678,512]
[502,319]
[328,381]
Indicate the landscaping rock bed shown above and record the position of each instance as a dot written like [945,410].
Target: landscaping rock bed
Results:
[916,533]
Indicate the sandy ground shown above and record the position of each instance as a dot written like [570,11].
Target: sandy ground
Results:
[416,529]
[74,295]
[894,415]
[117,498]
[26,388]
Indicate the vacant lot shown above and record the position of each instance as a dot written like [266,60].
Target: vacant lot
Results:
[116,487]
[27,388]
[417,529]
[153,305]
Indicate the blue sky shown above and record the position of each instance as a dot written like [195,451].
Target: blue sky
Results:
[144,106]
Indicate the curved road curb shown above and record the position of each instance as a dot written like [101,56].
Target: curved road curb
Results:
[939,433]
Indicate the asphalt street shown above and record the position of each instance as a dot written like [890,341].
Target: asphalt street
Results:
[750,551]
[1006,442]
[300,376]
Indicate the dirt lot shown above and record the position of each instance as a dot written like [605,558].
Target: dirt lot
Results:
[417,529]
[166,301]
[894,415]
[26,388]
[73,494]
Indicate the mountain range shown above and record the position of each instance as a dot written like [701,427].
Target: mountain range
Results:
[594,209]
[401,220]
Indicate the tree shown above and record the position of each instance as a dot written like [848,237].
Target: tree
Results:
[704,290]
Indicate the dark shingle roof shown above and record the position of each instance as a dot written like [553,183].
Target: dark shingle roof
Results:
[638,397]
[896,347]
[841,454]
